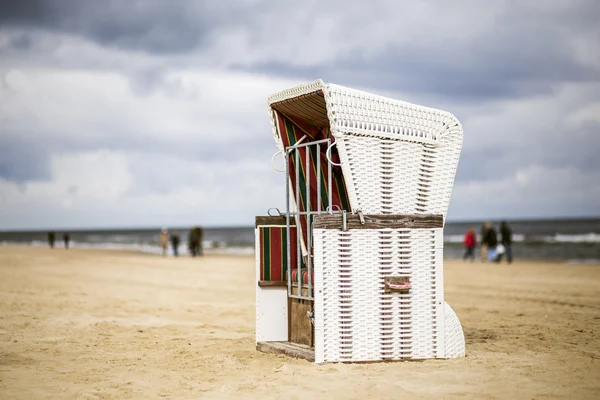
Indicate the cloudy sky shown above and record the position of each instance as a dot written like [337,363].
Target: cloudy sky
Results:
[147,113]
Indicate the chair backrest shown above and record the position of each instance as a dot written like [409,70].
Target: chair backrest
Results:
[397,157]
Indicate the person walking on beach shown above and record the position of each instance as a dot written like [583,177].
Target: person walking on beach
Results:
[66,239]
[195,241]
[200,249]
[484,245]
[506,240]
[470,243]
[164,241]
[491,239]
[51,238]
[175,243]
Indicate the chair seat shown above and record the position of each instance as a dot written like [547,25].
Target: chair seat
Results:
[304,276]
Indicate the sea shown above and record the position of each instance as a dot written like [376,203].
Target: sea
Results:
[563,240]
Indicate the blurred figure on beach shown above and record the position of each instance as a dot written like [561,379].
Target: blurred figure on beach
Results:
[491,240]
[66,239]
[164,241]
[51,238]
[470,243]
[195,241]
[484,245]
[175,240]
[506,240]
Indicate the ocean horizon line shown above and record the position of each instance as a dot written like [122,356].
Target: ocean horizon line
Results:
[244,226]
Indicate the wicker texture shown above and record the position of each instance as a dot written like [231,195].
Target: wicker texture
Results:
[396,157]
[355,320]
[455,338]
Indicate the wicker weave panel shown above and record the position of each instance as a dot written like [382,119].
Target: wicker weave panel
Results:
[454,337]
[358,321]
[367,114]
[397,177]
[396,157]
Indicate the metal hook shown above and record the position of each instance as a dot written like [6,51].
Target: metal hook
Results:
[273,160]
[274,208]
[329,209]
[327,154]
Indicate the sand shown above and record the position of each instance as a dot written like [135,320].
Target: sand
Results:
[94,324]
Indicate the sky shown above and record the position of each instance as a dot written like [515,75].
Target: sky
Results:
[139,113]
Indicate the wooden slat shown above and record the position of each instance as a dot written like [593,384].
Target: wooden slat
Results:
[289,349]
[275,220]
[300,328]
[272,283]
[372,221]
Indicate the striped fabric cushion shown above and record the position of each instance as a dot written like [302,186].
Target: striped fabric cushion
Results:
[304,272]
[273,256]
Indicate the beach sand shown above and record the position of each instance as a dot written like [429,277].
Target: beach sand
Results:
[101,324]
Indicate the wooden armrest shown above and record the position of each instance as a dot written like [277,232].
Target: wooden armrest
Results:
[272,284]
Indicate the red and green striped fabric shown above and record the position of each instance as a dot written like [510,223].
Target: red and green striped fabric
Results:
[291,132]
[310,108]
[304,272]
[307,115]
[273,255]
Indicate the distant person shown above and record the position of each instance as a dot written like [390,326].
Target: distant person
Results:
[175,240]
[51,238]
[491,239]
[195,241]
[506,240]
[484,245]
[66,239]
[200,240]
[470,243]
[164,241]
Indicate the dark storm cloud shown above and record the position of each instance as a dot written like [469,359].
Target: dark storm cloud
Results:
[520,55]
[161,27]
[486,79]
[526,51]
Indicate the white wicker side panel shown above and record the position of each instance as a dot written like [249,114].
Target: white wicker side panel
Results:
[271,307]
[333,296]
[358,321]
[444,162]
[318,264]
[455,338]
[427,293]
[437,284]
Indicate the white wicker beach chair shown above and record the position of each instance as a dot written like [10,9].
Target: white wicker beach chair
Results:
[378,269]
